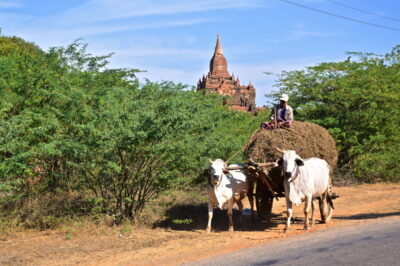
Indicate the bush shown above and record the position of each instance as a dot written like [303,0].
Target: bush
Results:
[69,125]
[355,100]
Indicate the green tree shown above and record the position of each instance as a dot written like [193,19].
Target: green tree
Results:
[356,100]
[44,97]
[71,125]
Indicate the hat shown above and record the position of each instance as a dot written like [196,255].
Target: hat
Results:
[284,97]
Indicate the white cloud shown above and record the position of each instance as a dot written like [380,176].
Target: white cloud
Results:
[299,32]
[162,52]
[104,10]
[173,74]
[13,19]
[96,17]
[315,1]
[101,29]
[53,36]
[10,4]
[263,82]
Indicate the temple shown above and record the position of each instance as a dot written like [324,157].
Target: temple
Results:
[219,81]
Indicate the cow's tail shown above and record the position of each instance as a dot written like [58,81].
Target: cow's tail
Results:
[331,195]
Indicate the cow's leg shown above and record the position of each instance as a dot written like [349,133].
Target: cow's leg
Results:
[330,213]
[307,205]
[323,207]
[240,205]
[210,215]
[313,207]
[289,213]
[250,195]
[229,211]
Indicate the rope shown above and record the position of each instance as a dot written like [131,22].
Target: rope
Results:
[277,125]
[284,142]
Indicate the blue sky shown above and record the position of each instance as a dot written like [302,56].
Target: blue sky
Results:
[175,39]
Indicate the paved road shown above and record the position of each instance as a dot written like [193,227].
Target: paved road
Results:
[372,243]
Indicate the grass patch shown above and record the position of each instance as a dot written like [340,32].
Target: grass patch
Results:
[69,236]
[183,221]
[159,210]
[71,213]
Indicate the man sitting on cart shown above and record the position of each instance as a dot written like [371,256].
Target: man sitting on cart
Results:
[281,115]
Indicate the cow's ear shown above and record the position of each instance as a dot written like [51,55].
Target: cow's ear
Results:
[279,162]
[299,162]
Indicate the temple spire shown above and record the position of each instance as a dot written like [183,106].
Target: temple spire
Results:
[218,48]
[218,64]
[219,81]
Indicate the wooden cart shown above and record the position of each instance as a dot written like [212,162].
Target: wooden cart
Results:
[269,185]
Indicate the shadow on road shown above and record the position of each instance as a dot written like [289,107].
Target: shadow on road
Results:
[189,217]
[363,216]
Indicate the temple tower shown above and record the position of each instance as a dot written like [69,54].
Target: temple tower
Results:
[218,80]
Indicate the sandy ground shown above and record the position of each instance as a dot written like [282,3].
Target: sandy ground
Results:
[143,246]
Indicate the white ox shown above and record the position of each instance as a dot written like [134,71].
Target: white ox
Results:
[225,188]
[305,180]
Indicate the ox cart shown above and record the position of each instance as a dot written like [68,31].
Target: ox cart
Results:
[269,185]
[308,139]
[268,179]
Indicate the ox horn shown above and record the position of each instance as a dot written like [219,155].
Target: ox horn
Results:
[210,160]
[280,150]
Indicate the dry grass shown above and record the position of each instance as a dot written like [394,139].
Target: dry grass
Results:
[308,139]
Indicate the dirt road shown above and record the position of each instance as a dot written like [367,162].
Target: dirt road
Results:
[142,246]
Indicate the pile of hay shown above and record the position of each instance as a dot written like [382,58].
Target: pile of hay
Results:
[307,139]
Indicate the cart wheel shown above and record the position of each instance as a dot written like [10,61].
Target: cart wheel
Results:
[264,200]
